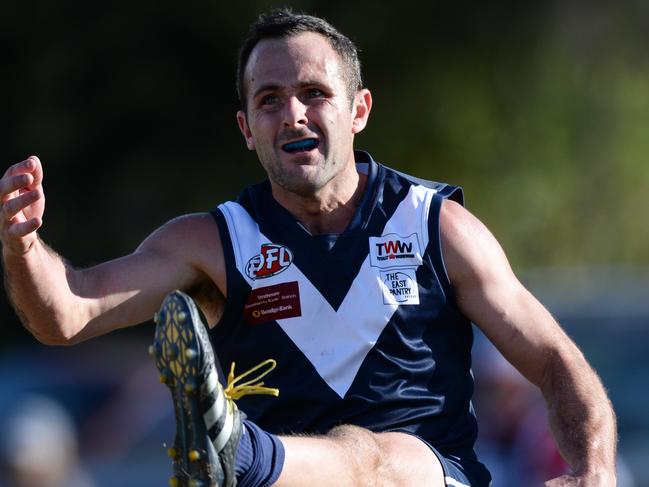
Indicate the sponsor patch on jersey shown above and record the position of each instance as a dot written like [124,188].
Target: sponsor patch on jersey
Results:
[392,250]
[271,303]
[270,261]
[400,286]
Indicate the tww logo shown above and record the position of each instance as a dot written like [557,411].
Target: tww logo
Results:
[271,260]
[393,247]
[392,250]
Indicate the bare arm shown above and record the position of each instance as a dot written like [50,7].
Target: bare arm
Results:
[62,305]
[490,295]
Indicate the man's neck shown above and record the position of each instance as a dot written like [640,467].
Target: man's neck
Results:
[331,209]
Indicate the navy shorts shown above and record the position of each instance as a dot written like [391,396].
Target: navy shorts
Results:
[459,472]
[462,473]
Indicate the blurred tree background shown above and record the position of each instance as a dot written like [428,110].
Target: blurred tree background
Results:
[540,110]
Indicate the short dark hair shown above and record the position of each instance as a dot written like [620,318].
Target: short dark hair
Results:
[282,23]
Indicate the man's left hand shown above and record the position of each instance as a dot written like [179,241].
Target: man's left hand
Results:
[581,481]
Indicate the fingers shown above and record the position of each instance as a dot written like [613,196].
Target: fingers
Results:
[22,204]
[563,481]
[13,206]
[34,166]
[10,184]
[31,165]
[23,229]
[26,174]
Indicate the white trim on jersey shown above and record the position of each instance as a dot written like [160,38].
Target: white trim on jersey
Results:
[454,483]
[336,342]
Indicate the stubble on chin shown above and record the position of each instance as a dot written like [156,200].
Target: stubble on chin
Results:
[305,180]
[298,184]
[300,175]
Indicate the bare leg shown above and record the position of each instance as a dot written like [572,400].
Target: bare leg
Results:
[350,456]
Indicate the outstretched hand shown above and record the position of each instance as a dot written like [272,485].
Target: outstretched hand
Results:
[563,481]
[23,205]
[572,481]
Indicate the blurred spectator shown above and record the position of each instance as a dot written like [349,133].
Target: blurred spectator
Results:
[515,441]
[38,446]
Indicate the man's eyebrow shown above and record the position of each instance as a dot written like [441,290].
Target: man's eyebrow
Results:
[276,87]
[266,87]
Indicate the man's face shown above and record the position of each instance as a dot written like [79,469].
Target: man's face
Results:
[299,117]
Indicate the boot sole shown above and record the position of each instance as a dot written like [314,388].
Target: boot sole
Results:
[186,365]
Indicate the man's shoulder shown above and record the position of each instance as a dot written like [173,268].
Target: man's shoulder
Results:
[196,221]
[444,190]
[200,226]
[249,197]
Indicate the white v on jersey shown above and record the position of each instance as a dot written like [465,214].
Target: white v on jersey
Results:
[363,325]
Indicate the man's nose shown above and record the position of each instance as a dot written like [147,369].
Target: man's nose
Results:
[294,112]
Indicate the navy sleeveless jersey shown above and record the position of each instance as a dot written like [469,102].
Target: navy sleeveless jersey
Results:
[363,325]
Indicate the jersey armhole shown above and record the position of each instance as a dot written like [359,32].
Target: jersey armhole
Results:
[230,271]
[435,241]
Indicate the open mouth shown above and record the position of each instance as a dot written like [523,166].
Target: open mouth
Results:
[301,145]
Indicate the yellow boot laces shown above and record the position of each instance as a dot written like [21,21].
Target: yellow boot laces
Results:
[251,386]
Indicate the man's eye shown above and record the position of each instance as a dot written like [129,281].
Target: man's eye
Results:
[269,100]
[315,93]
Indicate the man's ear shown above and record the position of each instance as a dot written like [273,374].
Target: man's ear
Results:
[245,130]
[361,110]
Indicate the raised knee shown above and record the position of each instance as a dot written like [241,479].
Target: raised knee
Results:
[356,438]
[361,448]
[408,461]
[349,431]
[367,454]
